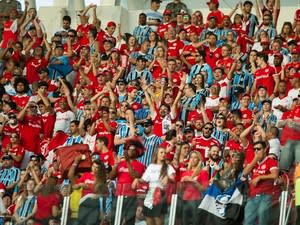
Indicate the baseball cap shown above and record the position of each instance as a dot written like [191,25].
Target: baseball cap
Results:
[131,88]
[111,24]
[167,12]
[213,1]
[294,51]
[188,129]
[157,1]
[279,55]
[7,157]
[141,58]
[148,122]
[292,42]
[59,46]
[267,101]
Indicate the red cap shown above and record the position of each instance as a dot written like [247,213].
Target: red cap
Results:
[131,88]
[62,99]
[115,50]
[111,24]
[213,1]
[216,84]
[294,51]
[226,17]
[247,95]
[278,54]
[167,12]
[297,15]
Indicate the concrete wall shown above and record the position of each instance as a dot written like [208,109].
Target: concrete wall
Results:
[127,12]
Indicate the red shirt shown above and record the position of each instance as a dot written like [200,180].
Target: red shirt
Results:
[218,14]
[195,114]
[32,67]
[211,57]
[156,70]
[103,35]
[31,128]
[264,77]
[174,48]
[191,49]
[124,178]
[107,157]
[17,151]
[190,191]
[203,144]
[21,100]
[84,29]
[225,63]
[48,124]
[102,131]
[7,131]
[44,207]
[88,179]
[8,34]
[162,28]
[167,145]
[264,186]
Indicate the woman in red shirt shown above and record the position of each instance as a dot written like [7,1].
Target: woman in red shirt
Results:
[193,182]
[15,149]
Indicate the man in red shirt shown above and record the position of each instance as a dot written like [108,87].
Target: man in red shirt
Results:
[203,143]
[174,45]
[126,171]
[213,6]
[264,171]
[31,128]
[264,76]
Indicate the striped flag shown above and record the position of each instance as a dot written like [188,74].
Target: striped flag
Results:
[223,207]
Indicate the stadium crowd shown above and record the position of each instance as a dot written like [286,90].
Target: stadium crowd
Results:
[183,102]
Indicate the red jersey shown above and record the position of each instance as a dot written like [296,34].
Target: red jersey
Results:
[7,131]
[44,207]
[191,49]
[21,100]
[195,114]
[124,178]
[48,124]
[233,145]
[102,131]
[88,179]
[103,35]
[162,28]
[84,29]
[17,151]
[264,77]
[190,191]
[174,48]
[170,150]
[203,144]
[218,14]
[225,63]
[264,186]
[156,70]
[212,57]
[32,67]
[107,157]
[10,29]
[31,128]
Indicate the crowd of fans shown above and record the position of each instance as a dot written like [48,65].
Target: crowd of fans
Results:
[165,109]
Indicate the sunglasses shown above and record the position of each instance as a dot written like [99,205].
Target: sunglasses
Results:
[208,128]
[71,35]
[12,117]
[257,149]
[179,125]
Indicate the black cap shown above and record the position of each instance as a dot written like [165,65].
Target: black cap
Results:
[148,122]
[292,42]
[188,129]
[59,46]
[140,57]
[266,101]
[157,1]
[238,90]
[248,3]
[121,80]
[43,70]
[9,157]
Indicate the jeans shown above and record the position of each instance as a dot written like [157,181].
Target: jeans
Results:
[289,154]
[258,207]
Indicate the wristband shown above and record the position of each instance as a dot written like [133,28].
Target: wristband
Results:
[75,164]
